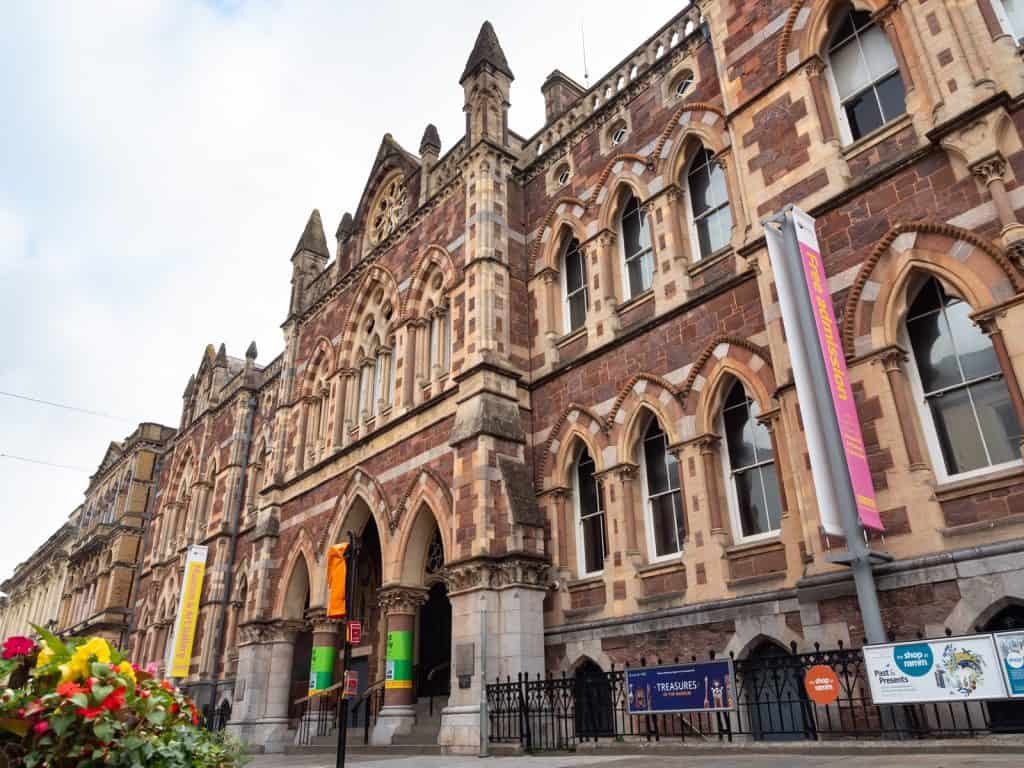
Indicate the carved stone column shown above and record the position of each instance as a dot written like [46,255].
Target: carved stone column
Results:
[338,427]
[409,368]
[606,250]
[886,18]
[991,170]
[560,497]
[399,605]
[675,206]
[709,447]
[300,452]
[815,72]
[892,360]
[626,476]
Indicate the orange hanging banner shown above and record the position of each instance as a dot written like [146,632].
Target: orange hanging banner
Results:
[336,580]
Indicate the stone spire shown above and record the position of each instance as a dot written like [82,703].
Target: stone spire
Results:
[431,140]
[251,352]
[313,239]
[486,50]
[346,226]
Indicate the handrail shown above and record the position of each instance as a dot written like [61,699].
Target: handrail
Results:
[438,668]
[371,688]
[322,692]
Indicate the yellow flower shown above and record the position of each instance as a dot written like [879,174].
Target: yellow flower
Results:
[45,655]
[77,668]
[125,668]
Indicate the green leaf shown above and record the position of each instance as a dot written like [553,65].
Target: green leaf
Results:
[157,716]
[13,725]
[52,641]
[60,723]
[100,670]
[80,700]
[104,731]
[100,692]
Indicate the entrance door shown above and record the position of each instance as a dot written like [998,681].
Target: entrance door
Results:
[1006,716]
[593,702]
[435,638]
[299,687]
[776,699]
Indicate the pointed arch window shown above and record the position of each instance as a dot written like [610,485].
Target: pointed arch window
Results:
[864,75]
[574,283]
[969,420]
[749,463]
[591,536]
[664,502]
[637,254]
[709,204]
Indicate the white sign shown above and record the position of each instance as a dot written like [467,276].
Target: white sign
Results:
[949,669]
[1010,646]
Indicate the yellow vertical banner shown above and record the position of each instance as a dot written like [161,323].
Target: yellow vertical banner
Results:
[188,612]
[336,579]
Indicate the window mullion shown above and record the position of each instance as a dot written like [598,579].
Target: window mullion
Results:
[977,425]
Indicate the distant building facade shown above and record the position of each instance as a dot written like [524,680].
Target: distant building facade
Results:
[33,594]
[545,380]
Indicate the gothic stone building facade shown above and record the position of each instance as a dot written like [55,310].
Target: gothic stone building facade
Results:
[545,380]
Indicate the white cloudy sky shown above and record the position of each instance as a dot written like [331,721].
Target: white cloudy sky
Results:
[158,161]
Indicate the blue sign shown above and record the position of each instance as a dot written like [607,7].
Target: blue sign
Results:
[700,687]
[915,659]
[1010,646]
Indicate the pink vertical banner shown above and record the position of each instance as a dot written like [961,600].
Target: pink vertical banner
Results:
[839,379]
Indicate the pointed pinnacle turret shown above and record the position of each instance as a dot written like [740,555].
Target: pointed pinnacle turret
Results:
[251,352]
[313,239]
[190,386]
[222,356]
[431,139]
[486,50]
[346,226]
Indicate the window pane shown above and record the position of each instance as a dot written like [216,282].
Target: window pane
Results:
[998,421]
[739,437]
[654,457]
[666,518]
[773,499]
[672,470]
[713,232]
[1015,12]
[845,29]
[977,357]
[958,431]
[750,502]
[717,193]
[848,69]
[891,94]
[631,226]
[862,114]
[700,188]
[577,310]
[574,268]
[587,487]
[933,352]
[641,273]
[593,543]
[877,52]
[929,298]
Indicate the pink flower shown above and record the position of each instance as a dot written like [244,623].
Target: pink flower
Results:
[41,727]
[17,646]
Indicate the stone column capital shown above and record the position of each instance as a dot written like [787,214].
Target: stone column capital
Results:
[892,358]
[401,598]
[493,573]
[990,168]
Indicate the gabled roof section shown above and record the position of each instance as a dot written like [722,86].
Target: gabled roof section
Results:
[114,451]
[486,50]
[391,156]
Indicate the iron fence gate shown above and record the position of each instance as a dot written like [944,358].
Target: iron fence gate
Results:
[771,703]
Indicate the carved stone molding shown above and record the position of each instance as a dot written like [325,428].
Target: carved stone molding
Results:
[401,599]
[262,632]
[486,573]
[990,168]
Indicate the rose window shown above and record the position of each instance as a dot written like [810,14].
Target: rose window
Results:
[388,210]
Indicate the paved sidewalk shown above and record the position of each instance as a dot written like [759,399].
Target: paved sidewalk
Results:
[581,760]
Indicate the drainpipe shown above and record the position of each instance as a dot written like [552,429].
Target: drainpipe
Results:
[235,517]
[140,554]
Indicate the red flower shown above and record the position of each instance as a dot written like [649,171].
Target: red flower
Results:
[17,646]
[115,700]
[41,727]
[69,689]
[167,686]
[90,712]
[174,709]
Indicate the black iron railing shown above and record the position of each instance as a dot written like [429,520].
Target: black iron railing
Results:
[318,713]
[771,704]
[215,719]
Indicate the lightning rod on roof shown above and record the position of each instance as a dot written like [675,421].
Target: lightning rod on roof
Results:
[583,41]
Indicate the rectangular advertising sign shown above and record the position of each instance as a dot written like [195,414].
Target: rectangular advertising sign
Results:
[699,687]
[188,612]
[949,669]
[1010,647]
[831,349]
[398,672]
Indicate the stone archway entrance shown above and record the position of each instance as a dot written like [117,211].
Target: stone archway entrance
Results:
[433,678]
[296,606]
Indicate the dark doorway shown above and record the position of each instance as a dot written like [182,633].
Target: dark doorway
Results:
[301,658]
[776,700]
[435,637]
[1006,716]
[594,716]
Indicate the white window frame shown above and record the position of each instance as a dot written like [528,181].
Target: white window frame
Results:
[730,483]
[846,135]
[691,217]
[581,559]
[931,435]
[584,288]
[652,550]
[623,265]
